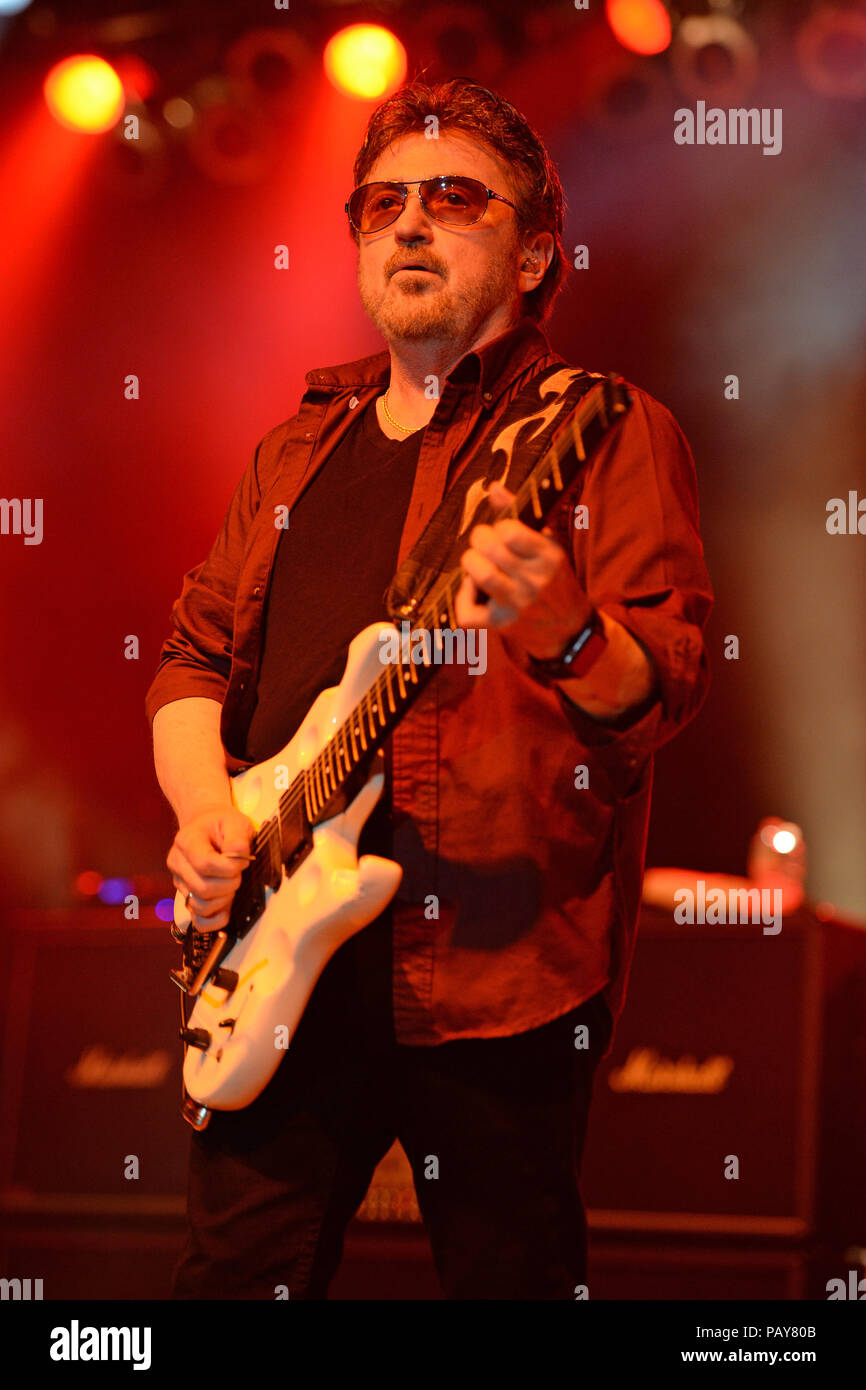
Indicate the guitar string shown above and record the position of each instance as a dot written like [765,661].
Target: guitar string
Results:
[259,873]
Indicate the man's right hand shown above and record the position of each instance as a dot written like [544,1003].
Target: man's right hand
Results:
[200,862]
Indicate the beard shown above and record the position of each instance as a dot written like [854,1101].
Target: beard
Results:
[418,307]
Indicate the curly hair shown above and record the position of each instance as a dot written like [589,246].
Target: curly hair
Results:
[462,104]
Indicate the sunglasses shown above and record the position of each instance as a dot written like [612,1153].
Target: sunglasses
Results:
[451,199]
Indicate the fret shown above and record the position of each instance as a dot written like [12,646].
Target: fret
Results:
[318,784]
[321,764]
[360,733]
[311,808]
[341,770]
[533,493]
[578,441]
[347,759]
[391,705]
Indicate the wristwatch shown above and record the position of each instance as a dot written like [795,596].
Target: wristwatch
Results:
[581,652]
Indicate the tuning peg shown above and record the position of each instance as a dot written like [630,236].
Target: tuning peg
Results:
[195,1037]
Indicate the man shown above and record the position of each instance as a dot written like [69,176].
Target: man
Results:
[468,1020]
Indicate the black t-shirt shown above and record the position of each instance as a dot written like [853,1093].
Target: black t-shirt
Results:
[332,568]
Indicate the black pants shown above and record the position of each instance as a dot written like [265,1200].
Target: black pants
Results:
[493,1128]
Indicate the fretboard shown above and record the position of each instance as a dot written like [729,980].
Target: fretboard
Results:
[321,788]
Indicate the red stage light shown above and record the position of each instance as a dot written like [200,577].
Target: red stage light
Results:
[643,26]
[84,93]
[89,882]
[365,61]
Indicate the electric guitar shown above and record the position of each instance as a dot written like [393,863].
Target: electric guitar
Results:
[304,891]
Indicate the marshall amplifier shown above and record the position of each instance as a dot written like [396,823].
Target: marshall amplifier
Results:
[91,1068]
[732,1103]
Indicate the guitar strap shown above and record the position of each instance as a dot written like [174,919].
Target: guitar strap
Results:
[507,454]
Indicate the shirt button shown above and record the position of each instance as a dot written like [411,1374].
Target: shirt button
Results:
[243,685]
[487,396]
[309,434]
[257,590]
[353,402]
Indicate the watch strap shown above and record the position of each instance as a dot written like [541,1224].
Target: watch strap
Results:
[577,657]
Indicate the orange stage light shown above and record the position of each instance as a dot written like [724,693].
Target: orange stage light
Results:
[365,61]
[643,26]
[84,93]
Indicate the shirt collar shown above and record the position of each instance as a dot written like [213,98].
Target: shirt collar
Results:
[492,367]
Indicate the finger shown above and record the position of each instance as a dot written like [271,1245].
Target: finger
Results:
[235,841]
[203,886]
[500,496]
[504,577]
[207,860]
[211,917]
[523,541]
[468,612]
[504,593]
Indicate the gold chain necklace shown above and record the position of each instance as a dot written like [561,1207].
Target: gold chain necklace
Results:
[396,423]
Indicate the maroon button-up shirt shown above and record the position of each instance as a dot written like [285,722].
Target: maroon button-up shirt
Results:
[521,885]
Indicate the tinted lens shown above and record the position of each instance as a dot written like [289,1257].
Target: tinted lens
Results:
[458,201]
[375,205]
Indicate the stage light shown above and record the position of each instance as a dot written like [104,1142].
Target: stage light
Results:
[135,168]
[10,7]
[831,50]
[164,909]
[113,890]
[178,113]
[365,61]
[458,38]
[84,93]
[712,57]
[265,65]
[643,26]
[784,841]
[89,882]
[232,143]
[629,101]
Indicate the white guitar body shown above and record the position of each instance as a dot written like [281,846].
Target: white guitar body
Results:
[329,897]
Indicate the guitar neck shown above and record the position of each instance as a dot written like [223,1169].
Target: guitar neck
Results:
[327,783]
[400,682]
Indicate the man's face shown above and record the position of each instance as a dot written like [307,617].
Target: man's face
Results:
[471,282]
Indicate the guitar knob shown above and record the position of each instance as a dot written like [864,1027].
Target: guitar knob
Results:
[225,979]
[195,1037]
